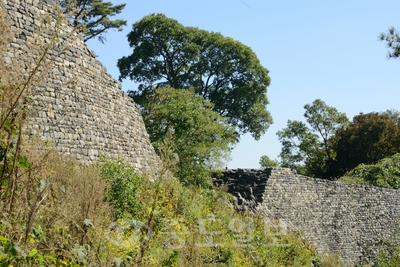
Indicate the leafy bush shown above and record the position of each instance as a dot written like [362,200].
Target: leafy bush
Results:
[385,173]
[266,162]
[199,138]
[388,256]
[168,224]
[62,221]
[124,184]
[389,251]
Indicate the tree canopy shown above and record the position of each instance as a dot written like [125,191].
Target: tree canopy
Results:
[220,69]
[307,149]
[200,137]
[92,17]
[367,139]
[266,162]
[393,115]
[330,145]
[392,40]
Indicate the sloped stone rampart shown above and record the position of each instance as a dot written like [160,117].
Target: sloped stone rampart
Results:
[347,220]
[84,113]
[78,107]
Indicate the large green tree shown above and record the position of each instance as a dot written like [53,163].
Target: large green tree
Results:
[186,123]
[367,139]
[92,17]
[220,69]
[307,148]
[392,40]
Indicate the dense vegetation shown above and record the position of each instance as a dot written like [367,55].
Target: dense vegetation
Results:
[385,173]
[367,139]
[222,70]
[330,145]
[199,138]
[58,213]
[308,148]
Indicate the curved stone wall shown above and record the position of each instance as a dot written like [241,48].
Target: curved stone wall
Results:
[347,220]
[78,106]
[84,113]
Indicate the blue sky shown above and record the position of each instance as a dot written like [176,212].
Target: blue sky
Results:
[312,48]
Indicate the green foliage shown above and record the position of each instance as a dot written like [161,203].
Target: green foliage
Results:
[385,173]
[199,137]
[11,254]
[298,144]
[392,40]
[192,226]
[389,251]
[389,257]
[55,213]
[52,212]
[367,139]
[307,149]
[331,146]
[59,222]
[222,70]
[92,17]
[266,162]
[393,115]
[124,185]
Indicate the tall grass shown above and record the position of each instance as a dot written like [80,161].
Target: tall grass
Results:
[164,223]
[53,211]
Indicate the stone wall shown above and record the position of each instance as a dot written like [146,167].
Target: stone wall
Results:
[347,220]
[78,107]
[84,113]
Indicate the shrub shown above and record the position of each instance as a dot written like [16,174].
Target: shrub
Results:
[385,173]
[169,224]
[389,252]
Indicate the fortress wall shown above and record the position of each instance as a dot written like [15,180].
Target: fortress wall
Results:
[83,112]
[347,220]
[78,107]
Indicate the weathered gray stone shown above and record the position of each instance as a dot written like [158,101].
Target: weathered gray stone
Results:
[347,220]
[79,105]
[85,114]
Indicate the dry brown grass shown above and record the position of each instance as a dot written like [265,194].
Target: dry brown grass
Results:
[53,209]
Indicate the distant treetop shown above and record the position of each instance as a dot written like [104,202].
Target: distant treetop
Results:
[92,17]
[392,39]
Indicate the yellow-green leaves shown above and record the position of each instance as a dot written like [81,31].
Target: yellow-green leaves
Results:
[192,226]
[201,138]
[385,173]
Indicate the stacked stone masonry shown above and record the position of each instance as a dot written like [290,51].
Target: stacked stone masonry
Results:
[84,113]
[79,108]
[342,219]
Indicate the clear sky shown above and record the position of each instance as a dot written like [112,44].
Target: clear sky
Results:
[326,49]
